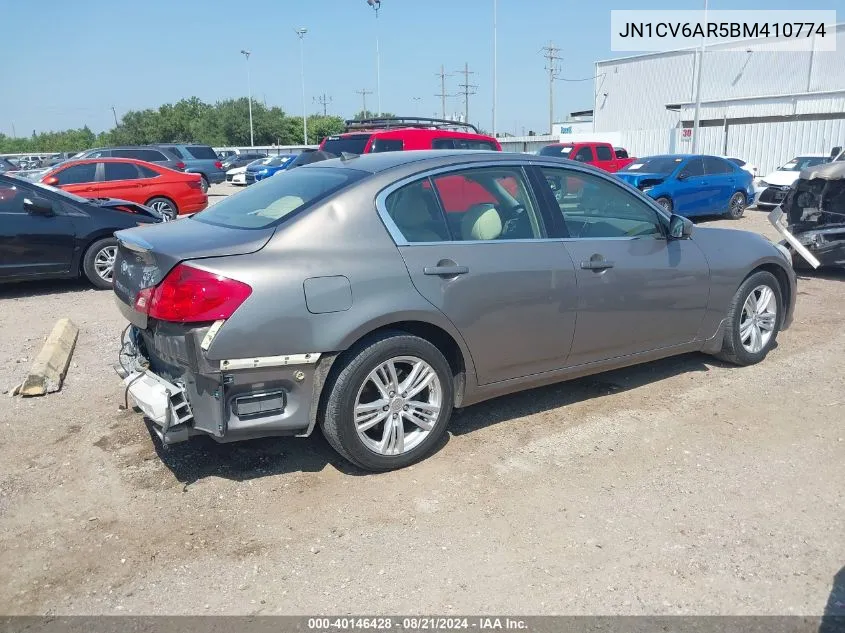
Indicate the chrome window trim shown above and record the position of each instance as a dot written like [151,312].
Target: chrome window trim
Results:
[396,234]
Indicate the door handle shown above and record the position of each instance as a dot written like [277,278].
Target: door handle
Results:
[446,271]
[596,264]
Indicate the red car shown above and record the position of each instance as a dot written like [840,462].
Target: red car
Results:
[397,134]
[167,191]
[601,155]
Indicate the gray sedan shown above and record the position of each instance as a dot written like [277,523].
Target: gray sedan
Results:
[374,294]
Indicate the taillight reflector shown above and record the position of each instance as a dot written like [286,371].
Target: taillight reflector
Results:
[190,295]
[180,165]
[219,165]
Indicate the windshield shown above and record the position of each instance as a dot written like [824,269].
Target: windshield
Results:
[352,144]
[655,165]
[271,200]
[802,162]
[556,150]
[280,161]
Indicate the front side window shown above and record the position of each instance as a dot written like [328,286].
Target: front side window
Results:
[76,174]
[693,168]
[271,200]
[592,207]
[603,153]
[120,171]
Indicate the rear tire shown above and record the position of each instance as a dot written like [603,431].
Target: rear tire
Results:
[98,262]
[736,206]
[165,206]
[372,428]
[665,202]
[753,320]
[204,183]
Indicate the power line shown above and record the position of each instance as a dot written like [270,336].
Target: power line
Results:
[467,87]
[443,74]
[550,53]
[324,101]
[364,92]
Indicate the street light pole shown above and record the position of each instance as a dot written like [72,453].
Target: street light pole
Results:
[246,54]
[697,119]
[376,5]
[495,65]
[301,33]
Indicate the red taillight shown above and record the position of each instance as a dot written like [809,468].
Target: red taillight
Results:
[189,295]
[181,165]
[219,165]
[195,184]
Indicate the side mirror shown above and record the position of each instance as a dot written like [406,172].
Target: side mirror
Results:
[38,206]
[680,228]
[51,180]
[683,175]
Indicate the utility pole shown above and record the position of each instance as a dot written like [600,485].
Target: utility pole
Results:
[495,65]
[416,101]
[324,101]
[300,32]
[364,92]
[114,112]
[697,117]
[442,74]
[467,87]
[550,52]
[246,54]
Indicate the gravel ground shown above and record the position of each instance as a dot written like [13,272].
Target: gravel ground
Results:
[679,487]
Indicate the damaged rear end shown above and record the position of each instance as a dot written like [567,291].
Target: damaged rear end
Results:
[815,210]
[178,294]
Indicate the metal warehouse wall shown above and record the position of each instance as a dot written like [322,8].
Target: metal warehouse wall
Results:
[632,93]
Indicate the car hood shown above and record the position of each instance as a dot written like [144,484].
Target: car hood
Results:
[146,254]
[639,179]
[781,178]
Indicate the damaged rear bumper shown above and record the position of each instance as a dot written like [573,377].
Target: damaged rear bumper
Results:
[183,393]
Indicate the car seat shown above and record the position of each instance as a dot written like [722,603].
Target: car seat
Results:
[414,211]
[481,222]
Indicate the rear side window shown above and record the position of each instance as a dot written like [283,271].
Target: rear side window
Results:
[620,153]
[603,152]
[585,154]
[562,151]
[352,144]
[120,171]
[713,165]
[202,152]
[271,200]
[77,174]
[146,172]
[387,145]
[175,151]
[415,211]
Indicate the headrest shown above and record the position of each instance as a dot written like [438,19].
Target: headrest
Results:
[481,222]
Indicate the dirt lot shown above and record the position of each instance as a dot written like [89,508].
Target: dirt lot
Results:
[682,486]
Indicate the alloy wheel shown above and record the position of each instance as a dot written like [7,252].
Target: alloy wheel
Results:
[165,208]
[737,205]
[758,320]
[398,405]
[104,263]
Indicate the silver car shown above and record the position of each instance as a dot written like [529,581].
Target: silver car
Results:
[374,294]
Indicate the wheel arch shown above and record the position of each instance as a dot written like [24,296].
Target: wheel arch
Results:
[90,240]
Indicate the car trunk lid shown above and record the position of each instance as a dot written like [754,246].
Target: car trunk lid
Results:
[146,255]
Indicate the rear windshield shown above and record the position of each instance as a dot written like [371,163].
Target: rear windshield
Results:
[352,144]
[271,200]
[556,150]
[802,162]
[203,152]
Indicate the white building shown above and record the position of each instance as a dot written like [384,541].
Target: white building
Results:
[759,104]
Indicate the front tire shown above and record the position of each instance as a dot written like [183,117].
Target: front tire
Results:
[665,202]
[736,206]
[98,263]
[389,403]
[753,320]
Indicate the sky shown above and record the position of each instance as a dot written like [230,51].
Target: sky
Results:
[66,64]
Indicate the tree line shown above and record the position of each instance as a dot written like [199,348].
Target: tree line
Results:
[224,123]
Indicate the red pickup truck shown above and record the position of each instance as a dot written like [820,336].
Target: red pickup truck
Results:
[601,155]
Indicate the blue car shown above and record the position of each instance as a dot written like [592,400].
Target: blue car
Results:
[692,185]
[266,167]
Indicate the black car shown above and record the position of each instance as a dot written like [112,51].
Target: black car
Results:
[241,160]
[50,233]
[6,165]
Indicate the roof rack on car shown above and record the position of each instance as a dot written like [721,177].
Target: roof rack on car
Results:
[380,123]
